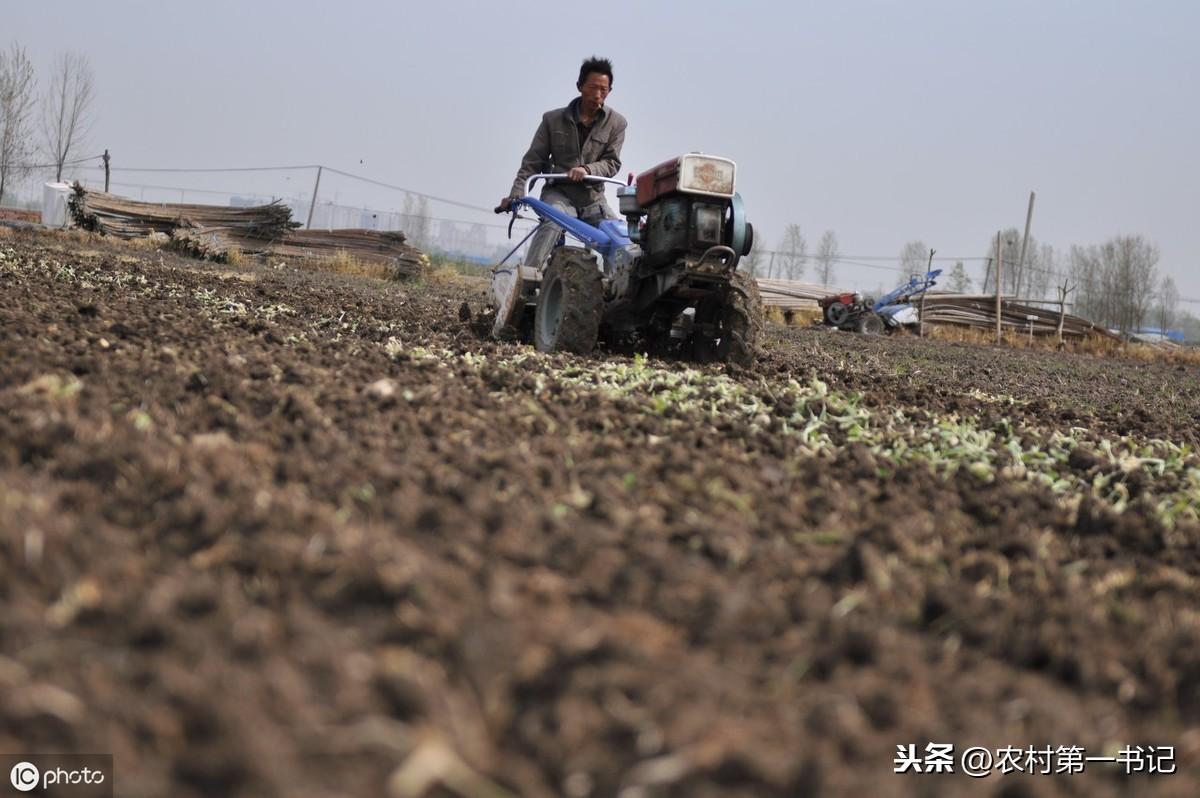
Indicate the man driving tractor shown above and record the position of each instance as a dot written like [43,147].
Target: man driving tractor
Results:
[664,277]
[580,140]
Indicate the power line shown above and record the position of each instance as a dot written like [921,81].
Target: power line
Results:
[893,257]
[848,260]
[376,211]
[183,189]
[55,166]
[844,260]
[381,184]
[226,169]
[350,175]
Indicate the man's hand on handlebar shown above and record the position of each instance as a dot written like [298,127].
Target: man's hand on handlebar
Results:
[578,174]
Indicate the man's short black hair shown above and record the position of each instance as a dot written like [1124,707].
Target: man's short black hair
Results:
[595,64]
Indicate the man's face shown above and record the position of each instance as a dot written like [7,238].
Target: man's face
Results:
[594,90]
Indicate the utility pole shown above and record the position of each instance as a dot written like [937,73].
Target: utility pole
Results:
[999,281]
[313,204]
[106,160]
[1024,242]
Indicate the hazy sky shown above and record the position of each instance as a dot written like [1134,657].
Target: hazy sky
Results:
[883,121]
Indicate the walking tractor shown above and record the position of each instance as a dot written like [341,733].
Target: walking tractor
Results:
[873,316]
[666,276]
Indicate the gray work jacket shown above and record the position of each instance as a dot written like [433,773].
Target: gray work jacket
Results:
[556,148]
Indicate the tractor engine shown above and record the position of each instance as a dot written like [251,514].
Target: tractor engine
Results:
[681,209]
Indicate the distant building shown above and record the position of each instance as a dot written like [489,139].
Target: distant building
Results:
[1155,334]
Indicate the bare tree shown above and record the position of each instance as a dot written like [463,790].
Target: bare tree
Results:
[1087,274]
[1035,281]
[1041,270]
[827,255]
[1010,251]
[1116,281]
[754,260]
[1063,291]
[793,253]
[66,112]
[16,110]
[914,257]
[1168,304]
[958,281]
[1189,325]
[1137,260]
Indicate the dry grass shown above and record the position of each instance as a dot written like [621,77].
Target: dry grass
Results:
[61,239]
[1010,338]
[799,317]
[21,214]
[1185,355]
[446,274]
[234,256]
[343,262]
[1097,345]
[1092,345]
[1146,353]
[153,242]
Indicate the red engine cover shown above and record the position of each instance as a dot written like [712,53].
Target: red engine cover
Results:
[654,183]
[845,299]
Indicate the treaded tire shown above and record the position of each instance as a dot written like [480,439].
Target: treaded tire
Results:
[869,324]
[570,303]
[741,321]
[836,313]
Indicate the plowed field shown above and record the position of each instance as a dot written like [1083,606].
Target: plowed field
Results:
[269,532]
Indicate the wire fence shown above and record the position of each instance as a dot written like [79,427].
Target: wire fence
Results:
[334,198]
[440,225]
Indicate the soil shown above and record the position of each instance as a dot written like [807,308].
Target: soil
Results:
[1111,396]
[270,532]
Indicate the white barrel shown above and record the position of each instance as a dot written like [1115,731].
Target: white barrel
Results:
[55,212]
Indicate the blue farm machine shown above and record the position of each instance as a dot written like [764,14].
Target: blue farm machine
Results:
[666,276]
[851,311]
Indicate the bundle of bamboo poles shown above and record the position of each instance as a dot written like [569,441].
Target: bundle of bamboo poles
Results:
[792,294]
[211,231]
[979,310]
[126,218]
[374,246]
[963,310]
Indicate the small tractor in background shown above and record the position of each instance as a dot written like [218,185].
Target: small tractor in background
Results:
[666,277]
[891,311]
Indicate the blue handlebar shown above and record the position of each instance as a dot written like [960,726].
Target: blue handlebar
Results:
[604,241]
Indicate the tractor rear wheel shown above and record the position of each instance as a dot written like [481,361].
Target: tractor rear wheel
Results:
[570,303]
[741,321]
[836,313]
[869,324]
